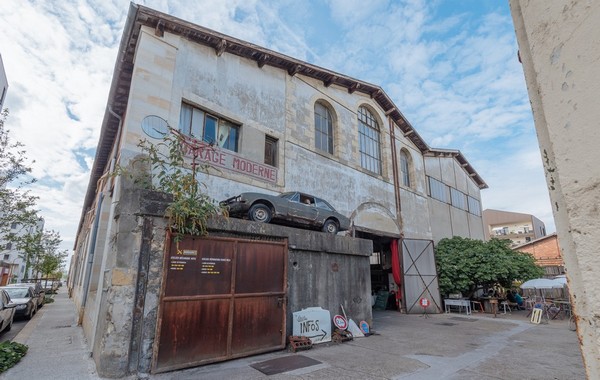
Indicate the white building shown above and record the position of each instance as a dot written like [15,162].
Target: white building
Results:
[3,84]
[12,263]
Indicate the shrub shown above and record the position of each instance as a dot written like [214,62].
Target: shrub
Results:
[10,354]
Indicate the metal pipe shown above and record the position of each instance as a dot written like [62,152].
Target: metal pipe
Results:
[395,173]
[90,261]
[117,140]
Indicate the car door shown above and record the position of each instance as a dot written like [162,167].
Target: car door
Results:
[303,210]
[5,312]
[34,299]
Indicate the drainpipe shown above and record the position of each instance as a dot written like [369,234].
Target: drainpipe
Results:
[395,173]
[90,261]
[113,162]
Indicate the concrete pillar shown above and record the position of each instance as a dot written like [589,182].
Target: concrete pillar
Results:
[559,45]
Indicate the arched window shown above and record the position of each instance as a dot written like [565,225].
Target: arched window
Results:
[323,128]
[405,167]
[368,134]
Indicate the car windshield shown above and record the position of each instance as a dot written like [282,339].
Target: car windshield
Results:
[17,292]
[293,196]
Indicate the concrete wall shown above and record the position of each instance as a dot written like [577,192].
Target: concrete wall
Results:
[560,51]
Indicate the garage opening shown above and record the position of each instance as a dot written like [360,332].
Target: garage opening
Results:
[385,292]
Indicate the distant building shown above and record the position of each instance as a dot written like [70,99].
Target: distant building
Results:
[519,228]
[547,254]
[3,83]
[12,263]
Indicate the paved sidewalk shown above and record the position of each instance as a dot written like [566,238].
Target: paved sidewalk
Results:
[57,348]
[406,347]
[442,346]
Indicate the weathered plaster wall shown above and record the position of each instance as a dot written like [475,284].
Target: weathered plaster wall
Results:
[170,70]
[559,46]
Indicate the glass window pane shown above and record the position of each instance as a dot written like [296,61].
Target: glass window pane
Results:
[210,129]
[185,119]
[197,123]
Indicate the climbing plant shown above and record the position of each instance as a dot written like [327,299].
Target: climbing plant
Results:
[174,168]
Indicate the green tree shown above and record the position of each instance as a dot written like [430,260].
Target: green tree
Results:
[40,251]
[16,204]
[464,265]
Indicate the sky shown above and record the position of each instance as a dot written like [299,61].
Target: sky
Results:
[450,66]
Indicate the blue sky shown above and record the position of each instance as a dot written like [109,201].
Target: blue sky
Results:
[449,65]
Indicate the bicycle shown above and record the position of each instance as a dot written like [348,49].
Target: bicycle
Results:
[572,323]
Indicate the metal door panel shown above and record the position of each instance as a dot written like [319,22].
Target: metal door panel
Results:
[196,331]
[222,298]
[258,324]
[260,269]
[199,267]
[420,275]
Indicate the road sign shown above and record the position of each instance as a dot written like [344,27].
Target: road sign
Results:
[340,322]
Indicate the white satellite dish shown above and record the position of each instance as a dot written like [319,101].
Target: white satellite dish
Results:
[155,126]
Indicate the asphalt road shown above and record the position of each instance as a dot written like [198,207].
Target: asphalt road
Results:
[18,324]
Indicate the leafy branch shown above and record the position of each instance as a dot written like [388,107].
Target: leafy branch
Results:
[172,174]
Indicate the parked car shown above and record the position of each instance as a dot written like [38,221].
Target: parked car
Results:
[50,285]
[7,311]
[38,290]
[24,299]
[295,208]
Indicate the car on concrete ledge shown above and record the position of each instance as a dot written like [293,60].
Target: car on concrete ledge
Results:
[293,208]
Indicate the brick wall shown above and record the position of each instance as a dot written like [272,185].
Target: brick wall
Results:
[545,251]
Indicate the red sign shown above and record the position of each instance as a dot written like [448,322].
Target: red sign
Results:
[424,302]
[226,159]
[340,322]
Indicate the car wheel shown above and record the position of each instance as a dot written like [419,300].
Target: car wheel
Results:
[260,213]
[9,325]
[330,226]
[30,315]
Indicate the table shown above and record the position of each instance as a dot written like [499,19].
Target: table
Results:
[457,302]
[490,304]
[563,306]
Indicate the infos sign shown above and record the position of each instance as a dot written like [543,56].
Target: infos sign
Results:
[313,323]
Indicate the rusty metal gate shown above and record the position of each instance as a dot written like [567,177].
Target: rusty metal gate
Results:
[420,276]
[222,298]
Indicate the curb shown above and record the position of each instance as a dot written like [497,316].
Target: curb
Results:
[23,335]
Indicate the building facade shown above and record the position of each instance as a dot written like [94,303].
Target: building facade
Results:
[273,124]
[3,84]
[547,254]
[517,227]
[13,262]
